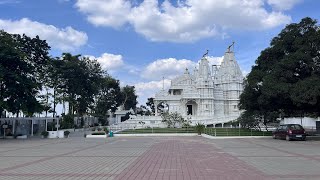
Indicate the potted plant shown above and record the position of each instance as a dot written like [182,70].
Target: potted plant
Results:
[199,128]
[106,130]
[66,134]
[44,134]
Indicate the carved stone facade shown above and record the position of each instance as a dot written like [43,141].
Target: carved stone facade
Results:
[209,94]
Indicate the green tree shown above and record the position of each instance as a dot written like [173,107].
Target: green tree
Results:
[166,119]
[56,83]
[150,104]
[22,63]
[108,98]
[285,79]
[80,82]
[129,97]
[173,118]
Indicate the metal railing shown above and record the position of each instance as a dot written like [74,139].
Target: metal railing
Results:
[152,130]
[235,132]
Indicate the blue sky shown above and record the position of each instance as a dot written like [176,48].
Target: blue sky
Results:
[141,41]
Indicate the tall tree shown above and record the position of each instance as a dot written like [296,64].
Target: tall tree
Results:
[150,104]
[22,59]
[108,98]
[286,76]
[129,97]
[81,78]
[56,82]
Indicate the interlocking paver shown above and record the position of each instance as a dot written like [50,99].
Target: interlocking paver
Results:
[145,158]
[178,157]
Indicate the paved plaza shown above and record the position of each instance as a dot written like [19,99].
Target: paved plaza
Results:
[144,158]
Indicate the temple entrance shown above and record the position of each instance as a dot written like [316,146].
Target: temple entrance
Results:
[189,109]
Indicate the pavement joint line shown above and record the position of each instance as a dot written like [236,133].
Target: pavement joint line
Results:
[70,156]
[284,151]
[46,159]
[142,160]
[220,149]
[31,147]
[147,152]
[57,174]
[193,169]
[296,176]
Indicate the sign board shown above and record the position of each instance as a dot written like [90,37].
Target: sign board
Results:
[4,126]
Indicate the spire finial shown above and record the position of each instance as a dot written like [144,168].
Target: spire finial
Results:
[232,45]
[206,54]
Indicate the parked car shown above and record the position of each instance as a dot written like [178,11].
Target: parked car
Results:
[289,132]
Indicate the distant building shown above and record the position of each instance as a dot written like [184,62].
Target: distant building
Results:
[209,95]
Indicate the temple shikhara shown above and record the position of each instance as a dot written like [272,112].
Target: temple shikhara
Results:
[208,95]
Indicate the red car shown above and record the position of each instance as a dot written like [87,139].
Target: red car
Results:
[289,132]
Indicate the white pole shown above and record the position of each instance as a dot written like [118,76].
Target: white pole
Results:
[57,128]
[31,127]
[13,126]
[46,124]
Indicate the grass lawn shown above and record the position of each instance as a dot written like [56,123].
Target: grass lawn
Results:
[209,131]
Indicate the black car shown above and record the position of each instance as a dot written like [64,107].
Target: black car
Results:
[289,132]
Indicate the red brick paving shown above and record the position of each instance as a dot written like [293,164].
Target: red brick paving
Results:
[188,160]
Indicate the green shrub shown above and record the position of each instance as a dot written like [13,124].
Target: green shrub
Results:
[45,133]
[66,133]
[199,128]
[51,126]
[106,130]
[67,122]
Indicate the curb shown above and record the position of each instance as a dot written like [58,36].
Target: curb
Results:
[233,137]
[155,134]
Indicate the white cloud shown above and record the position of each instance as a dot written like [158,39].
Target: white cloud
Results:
[189,20]
[108,61]
[112,13]
[146,90]
[214,60]
[58,38]
[172,67]
[9,2]
[63,1]
[168,68]
[283,4]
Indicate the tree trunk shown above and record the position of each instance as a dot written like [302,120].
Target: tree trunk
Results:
[54,102]
[47,102]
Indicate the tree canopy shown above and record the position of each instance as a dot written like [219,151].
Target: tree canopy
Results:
[22,64]
[286,76]
[27,72]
